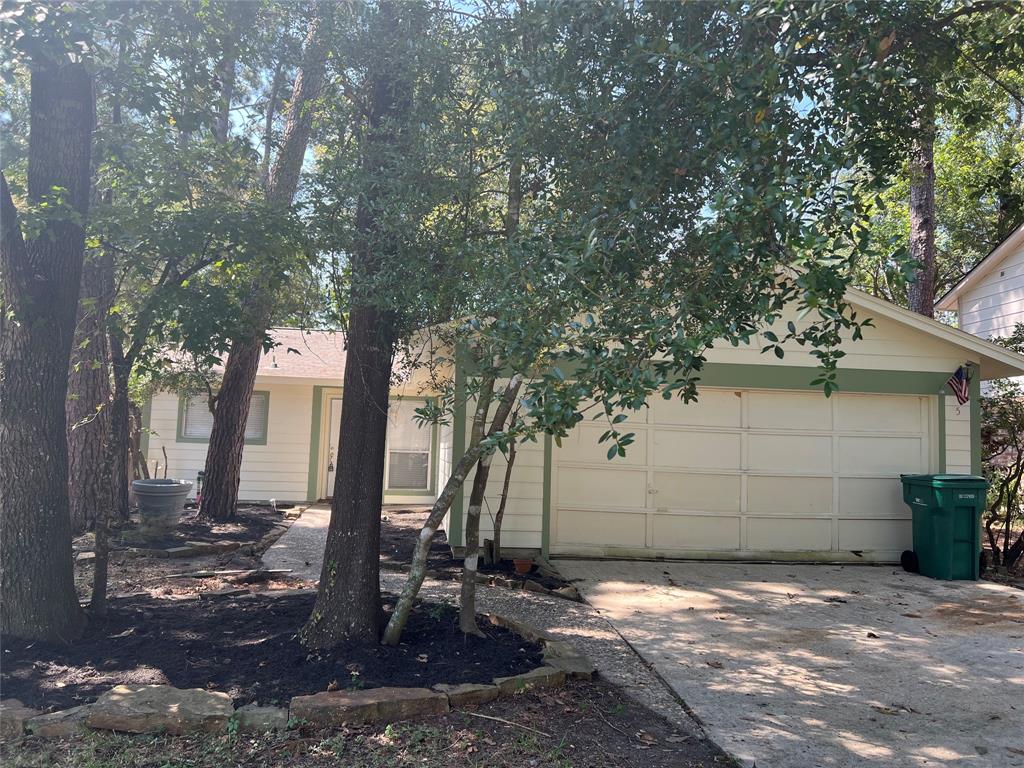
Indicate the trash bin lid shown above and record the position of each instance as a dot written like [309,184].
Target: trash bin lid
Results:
[945,480]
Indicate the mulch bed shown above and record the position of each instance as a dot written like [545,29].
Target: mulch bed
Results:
[252,522]
[399,530]
[584,725]
[248,648]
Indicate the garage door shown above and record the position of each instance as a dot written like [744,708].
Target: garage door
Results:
[746,473]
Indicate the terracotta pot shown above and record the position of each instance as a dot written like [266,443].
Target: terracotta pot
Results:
[523,567]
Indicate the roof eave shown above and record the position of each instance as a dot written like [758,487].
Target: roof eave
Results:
[948,303]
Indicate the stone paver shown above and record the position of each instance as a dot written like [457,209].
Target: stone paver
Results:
[160,709]
[794,666]
[301,549]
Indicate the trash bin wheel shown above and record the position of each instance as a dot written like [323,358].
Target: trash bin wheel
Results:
[909,561]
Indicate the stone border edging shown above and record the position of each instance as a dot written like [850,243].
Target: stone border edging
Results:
[166,709]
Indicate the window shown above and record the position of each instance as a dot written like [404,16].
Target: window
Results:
[196,419]
[408,448]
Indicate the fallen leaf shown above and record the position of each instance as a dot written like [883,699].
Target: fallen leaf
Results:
[646,738]
[715,663]
[422,658]
[872,635]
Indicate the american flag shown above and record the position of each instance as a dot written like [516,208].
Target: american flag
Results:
[959,382]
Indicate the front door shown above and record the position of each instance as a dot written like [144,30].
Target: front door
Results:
[333,430]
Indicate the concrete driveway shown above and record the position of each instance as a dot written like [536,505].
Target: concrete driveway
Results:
[800,666]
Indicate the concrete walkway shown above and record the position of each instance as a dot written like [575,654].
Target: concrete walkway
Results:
[801,666]
[301,549]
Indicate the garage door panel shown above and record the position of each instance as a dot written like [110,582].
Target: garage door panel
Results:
[587,487]
[698,492]
[782,534]
[691,449]
[766,472]
[601,528]
[696,532]
[789,410]
[789,495]
[803,454]
[878,455]
[871,497]
[582,446]
[878,413]
[714,408]
[866,535]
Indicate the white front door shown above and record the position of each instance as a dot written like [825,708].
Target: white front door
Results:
[333,431]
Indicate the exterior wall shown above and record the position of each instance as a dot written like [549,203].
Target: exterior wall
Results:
[958,436]
[892,358]
[277,470]
[995,305]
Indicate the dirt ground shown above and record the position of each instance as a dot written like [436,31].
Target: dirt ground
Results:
[584,725]
[399,529]
[248,648]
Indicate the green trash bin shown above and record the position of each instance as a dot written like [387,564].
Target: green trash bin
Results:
[947,525]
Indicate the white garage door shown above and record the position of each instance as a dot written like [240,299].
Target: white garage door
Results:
[746,473]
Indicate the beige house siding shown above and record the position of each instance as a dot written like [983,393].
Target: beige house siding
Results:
[958,437]
[277,470]
[993,307]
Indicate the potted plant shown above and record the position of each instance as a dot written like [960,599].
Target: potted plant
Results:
[161,502]
[522,565]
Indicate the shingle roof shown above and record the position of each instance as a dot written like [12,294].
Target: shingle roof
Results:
[307,354]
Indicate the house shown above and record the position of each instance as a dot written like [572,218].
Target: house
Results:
[763,466]
[989,300]
[291,437]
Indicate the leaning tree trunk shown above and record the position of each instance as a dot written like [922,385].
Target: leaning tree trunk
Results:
[453,486]
[223,471]
[89,394]
[40,282]
[348,598]
[467,592]
[113,453]
[921,292]
[223,468]
[499,516]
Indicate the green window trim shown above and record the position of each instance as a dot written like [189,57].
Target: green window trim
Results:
[181,437]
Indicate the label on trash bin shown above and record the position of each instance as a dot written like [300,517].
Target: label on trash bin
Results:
[966,497]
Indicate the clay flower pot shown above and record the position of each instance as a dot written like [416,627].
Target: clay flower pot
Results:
[523,567]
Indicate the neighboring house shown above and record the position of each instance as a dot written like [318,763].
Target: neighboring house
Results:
[291,437]
[989,300]
[764,466]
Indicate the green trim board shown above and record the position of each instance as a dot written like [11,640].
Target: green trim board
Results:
[313,477]
[942,433]
[975,392]
[180,436]
[755,376]
[545,524]
[458,447]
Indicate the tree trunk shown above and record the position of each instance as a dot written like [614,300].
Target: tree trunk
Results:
[40,283]
[223,469]
[499,516]
[348,598]
[418,568]
[88,405]
[921,292]
[467,593]
[115,451]
[227,438]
